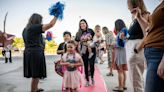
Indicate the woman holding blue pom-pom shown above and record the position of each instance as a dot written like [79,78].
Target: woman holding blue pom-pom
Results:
[34,59]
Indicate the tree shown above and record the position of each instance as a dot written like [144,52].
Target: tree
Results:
[18,43]
[51,47]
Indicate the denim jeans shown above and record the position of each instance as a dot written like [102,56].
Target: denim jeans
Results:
[153,82]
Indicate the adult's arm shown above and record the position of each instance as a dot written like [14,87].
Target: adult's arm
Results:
[60,51]
[143,19]
[45,27]
[139,46]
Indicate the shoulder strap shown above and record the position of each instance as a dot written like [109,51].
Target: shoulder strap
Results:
[73,56]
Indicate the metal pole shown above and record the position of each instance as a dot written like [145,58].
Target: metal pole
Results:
[5,23]
[4,30]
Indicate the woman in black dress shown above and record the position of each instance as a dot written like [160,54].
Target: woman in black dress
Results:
[84,30]
[34,58]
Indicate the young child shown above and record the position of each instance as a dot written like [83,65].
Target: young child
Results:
[71,60]
[62,46]
[87,40]
[98,39]
[110,41]
[120,54]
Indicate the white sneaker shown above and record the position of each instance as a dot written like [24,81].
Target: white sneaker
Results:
[93,82]
[87,84]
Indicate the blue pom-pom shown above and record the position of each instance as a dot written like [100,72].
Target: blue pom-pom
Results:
[57,10]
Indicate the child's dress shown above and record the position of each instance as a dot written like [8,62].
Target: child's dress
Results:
[72,77]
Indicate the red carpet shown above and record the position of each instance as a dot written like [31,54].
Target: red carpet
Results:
[99,83]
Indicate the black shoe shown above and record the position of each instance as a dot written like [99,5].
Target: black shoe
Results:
[125,88]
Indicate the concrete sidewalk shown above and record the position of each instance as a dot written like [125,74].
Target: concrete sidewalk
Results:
[12,80]
[112,81]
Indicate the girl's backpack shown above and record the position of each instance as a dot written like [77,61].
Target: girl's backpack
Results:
[59,69]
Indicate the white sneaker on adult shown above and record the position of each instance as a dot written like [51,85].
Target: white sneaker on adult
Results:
[87,84]
[93,81]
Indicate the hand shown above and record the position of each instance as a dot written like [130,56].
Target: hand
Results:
[71,65]
[105,51]
[62,51]
[107,47]
[122,36]
[98,41]
[160,70]
[135,51]
[57,13]
[67,63]
[136,12]
[137,48]
[89,38]
[5,35]
[102,41]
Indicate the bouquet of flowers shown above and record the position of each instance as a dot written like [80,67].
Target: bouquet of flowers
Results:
[86,37]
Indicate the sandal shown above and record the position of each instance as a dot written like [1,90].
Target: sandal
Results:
[125,88]
[101,62]
[118,90]
[109,74]
[40,90]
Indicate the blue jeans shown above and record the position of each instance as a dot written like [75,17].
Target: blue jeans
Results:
[153,82]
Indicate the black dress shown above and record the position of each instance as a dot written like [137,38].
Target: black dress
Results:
[34,58]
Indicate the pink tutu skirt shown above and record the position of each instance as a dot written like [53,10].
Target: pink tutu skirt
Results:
[72,79]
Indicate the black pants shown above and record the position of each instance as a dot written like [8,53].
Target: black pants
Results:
[89,63]
[6,60]
[10,58]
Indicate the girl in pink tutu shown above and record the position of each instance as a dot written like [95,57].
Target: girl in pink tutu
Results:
[71,60]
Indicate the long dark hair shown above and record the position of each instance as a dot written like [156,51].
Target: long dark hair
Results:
[79,33]
[34,19]
[119,24]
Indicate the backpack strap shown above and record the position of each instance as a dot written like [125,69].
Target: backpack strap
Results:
[73,56]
